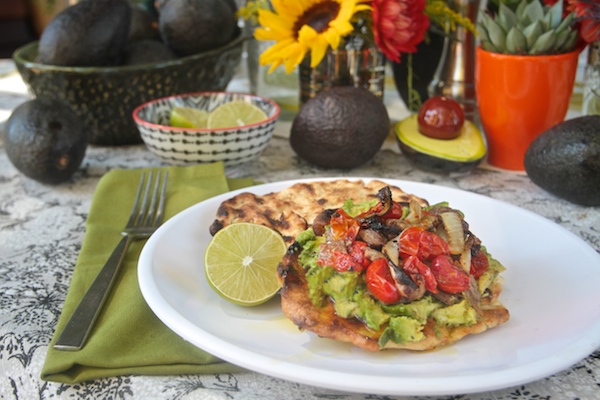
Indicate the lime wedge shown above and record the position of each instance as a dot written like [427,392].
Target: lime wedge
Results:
[187,117]
[235,113]
[241,261]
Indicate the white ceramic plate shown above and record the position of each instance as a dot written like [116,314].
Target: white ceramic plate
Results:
[552,290]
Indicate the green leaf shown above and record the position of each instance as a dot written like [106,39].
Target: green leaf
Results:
[546,22]
[544,43]
[532,33]
[534,11]
[483,33]
[566,23]
[570,42]
[488,46]
[561,39]
[506,17]
[555,13]
[496,33]
[516,42]
[520,10]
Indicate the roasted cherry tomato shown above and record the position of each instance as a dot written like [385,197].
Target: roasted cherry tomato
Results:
[412,266]
[380,282]
[395,212]
[479,264]
[416,241]
[343,226]
[441,118]
[357,252]
[339,260]
[449,278]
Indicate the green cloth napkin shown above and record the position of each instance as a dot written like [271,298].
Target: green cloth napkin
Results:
[127,337]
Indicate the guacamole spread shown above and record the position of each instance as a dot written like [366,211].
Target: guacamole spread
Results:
[347,290]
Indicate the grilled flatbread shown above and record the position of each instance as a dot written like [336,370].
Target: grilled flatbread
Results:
[292,210]
[295,209]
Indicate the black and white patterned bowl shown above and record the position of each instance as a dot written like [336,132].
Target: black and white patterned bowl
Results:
[183,146]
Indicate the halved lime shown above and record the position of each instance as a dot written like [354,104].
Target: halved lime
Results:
[235,113]
[241,261]
[188,117]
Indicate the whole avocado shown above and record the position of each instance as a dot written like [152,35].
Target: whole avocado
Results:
[193,26]
[89,33]
[146,51]
[565,160]
[45,140]
[342,127]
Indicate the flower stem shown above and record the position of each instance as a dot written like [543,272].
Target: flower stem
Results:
[414,98]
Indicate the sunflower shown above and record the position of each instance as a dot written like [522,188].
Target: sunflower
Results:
[302,26]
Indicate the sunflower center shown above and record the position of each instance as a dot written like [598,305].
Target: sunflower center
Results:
[318,16]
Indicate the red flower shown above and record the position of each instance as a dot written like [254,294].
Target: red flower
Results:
[588,15]
[399,26]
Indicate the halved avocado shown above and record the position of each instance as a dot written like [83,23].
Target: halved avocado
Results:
[461,154]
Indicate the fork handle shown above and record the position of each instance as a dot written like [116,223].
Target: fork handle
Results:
[82,320]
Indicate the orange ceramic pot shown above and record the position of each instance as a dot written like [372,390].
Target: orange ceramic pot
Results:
[520,97]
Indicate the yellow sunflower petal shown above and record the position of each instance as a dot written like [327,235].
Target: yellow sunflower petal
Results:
[333,38]
[263,34]
[295,57]
[318,51]
[272,21]
[306,35]
[342,27]
[276,50]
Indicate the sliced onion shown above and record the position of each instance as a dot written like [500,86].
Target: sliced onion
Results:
[454,229]
[414,213]
[391,251]
[465,260]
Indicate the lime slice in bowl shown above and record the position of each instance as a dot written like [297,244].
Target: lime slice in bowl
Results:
[235,113]
[187,117]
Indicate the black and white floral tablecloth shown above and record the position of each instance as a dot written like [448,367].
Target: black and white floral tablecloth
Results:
[41,230]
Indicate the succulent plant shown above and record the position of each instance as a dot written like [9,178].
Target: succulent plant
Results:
[531,29]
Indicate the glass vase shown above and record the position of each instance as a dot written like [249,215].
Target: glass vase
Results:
[591,81]
[278,85]
[356,62]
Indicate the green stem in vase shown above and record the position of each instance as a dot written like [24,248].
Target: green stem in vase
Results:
[414,99]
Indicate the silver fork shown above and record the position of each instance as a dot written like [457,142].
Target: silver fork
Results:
[146,216]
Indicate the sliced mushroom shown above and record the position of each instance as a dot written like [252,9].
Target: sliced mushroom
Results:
[322,220]
[373,238]
[409,289]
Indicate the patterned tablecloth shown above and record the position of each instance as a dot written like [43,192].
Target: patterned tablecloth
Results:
[41,230]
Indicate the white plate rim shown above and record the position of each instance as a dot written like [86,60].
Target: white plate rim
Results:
[345,381]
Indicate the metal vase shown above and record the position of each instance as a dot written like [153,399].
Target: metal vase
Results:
[355,63]
[455,74]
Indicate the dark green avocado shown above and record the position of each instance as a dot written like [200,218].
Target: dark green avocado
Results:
[565,160]
[193,26]
[146,51]
[45,140]
[458,155]
[89,33]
